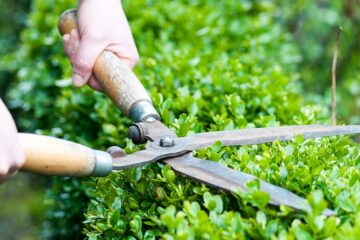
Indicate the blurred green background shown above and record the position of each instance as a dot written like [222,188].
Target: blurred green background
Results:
[21,200]
[12,20]
[312,26]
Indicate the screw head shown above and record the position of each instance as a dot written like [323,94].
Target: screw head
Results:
[167,141]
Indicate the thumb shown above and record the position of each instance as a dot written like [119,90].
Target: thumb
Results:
[85,59]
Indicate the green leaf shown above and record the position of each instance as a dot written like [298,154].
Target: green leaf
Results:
[213,203]
[149,235]
[261,198]
[261,219]
[302,234]
[115,216]
[136,174]
[136,224]
[345,202]
[168,174]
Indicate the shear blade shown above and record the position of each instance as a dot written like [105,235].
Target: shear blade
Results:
[240,137]
[264,135]
[222,177]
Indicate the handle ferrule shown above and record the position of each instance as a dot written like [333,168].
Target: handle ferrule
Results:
[143,111]
[103,164]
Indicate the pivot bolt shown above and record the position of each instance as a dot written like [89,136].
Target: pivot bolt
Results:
[135,134]
[167,141]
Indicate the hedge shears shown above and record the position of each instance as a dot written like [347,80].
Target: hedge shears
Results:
[53,156]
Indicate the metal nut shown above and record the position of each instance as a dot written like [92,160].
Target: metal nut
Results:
[167,141]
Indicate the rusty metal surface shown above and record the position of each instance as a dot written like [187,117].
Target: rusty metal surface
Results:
[143,157]
[265,135]
[224,178]
[154,130]
[214,174]
[155,152]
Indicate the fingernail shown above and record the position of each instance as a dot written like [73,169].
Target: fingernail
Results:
[77,80]
[73,32]
[66,37]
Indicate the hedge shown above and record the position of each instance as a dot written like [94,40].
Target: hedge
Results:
[208,65]
[314,25]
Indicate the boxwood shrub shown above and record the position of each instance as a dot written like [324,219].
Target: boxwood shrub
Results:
[208,65]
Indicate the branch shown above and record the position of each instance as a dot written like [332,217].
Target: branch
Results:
[333,77]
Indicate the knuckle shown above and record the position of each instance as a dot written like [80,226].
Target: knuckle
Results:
[131,59]
[66,38]
[82,64]
[94,36]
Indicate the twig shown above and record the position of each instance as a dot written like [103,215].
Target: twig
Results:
[333,77]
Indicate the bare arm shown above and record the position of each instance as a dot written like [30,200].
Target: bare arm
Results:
[11,153]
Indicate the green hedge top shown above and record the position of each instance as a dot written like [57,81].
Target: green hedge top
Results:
[208,65]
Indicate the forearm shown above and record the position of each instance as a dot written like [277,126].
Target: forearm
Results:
[12,155]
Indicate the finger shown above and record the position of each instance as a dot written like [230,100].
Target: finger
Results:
[129,56]
[128,62]
[94,84]
[77,79]
[87,53]
[66,44]
[71,44]
[74,44]
[75,40]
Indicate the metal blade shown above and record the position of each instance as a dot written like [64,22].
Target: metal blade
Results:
[264,135]
[144,157]
[219,176]
[240,137]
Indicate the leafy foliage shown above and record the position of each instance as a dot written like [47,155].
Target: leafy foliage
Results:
[11,22]
[208,65]
[314,25]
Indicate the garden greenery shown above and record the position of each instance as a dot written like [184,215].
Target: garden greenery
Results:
[208,65]
[314,25]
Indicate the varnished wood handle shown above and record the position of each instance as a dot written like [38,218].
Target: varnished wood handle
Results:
[53,156]
[118,81]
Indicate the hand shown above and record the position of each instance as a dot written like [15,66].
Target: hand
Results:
[11,153]
[102,26]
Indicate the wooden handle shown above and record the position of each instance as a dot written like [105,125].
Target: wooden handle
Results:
[53,156]
[118,82]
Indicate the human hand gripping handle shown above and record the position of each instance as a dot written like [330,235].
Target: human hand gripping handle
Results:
[52,156]
[116,79]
